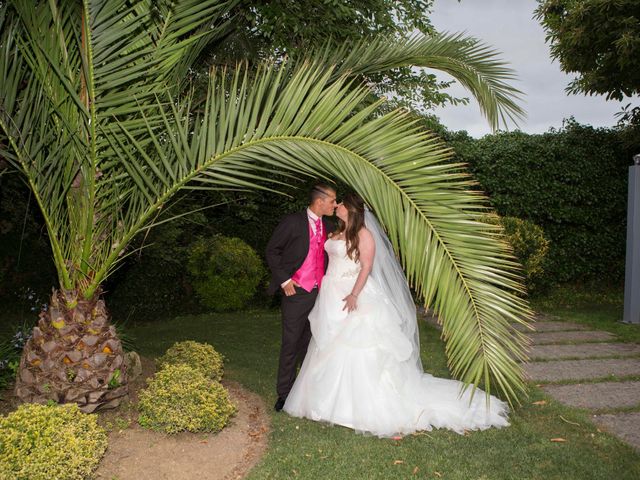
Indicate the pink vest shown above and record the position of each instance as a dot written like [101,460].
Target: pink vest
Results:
[312,269]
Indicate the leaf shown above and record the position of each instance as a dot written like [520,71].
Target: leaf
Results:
[398,462]
[540,402]
[558,440]
[568,421]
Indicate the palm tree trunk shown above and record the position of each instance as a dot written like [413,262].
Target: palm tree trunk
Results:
[73,356]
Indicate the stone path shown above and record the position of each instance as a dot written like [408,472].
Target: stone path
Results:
[587,369]
[569,337]
[584,350]
[597,396]
[623,425]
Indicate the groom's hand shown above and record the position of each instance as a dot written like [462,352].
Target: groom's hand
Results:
[290,288]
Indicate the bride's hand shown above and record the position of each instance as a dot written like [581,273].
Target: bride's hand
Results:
[350,302]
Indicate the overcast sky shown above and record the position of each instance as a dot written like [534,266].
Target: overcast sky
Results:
[508,26]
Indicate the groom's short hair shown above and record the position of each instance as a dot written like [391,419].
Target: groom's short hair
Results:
[320,190]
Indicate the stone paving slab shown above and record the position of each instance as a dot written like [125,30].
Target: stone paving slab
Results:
[625,426]
[597,396]
[578,336]
[548,326]
[584,350]
[559,370]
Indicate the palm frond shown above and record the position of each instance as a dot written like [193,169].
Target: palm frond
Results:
[474,64]
[303,122]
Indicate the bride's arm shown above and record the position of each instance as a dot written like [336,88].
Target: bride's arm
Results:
[367,248]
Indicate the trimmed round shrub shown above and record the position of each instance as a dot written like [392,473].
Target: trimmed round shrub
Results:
[180,398]
[42,442]
[529,246]
[201,356]
[225,272]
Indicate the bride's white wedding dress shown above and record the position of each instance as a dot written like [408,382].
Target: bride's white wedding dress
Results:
[360,370]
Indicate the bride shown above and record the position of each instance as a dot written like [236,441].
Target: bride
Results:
[363,369]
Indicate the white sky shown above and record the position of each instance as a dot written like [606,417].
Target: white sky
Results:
[509,26]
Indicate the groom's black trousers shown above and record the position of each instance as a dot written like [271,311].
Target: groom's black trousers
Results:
[296,334]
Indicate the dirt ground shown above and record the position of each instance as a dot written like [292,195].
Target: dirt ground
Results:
[135,453]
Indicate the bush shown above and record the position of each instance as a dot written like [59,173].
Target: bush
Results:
[529,246]
[200,356]
[180,398]
[225,272]
[43,442]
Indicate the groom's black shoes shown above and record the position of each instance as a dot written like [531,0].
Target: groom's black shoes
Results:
[279,404]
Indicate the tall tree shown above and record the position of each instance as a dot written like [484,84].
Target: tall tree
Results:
[597,39]
[96,113]
[280,28]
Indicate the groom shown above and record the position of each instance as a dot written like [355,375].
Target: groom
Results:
[297,260]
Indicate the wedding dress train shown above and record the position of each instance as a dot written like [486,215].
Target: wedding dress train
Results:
[361,372]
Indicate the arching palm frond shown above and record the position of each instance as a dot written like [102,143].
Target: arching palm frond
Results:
[302,121]
[474,64]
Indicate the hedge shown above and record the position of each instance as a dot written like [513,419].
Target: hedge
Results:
[571,182]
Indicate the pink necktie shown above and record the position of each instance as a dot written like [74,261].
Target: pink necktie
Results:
[319,227]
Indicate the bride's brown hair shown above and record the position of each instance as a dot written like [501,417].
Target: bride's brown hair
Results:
[355,206]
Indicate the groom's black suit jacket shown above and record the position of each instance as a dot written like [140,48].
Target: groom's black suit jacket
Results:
[288,247]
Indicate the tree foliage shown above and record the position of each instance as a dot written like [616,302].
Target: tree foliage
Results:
[599,40]
[278,28]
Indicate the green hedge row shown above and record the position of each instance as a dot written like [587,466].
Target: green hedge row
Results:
[572,182]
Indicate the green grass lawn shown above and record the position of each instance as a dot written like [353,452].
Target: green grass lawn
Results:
[309,450]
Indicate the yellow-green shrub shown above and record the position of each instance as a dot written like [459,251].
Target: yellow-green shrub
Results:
[529,244]
[201,356]
[225,272]
[180,398]
[44,442]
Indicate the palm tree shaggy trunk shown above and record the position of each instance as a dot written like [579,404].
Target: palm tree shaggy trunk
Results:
[73,355]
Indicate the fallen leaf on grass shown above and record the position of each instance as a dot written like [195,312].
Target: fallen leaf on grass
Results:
[559,440]
[571,423]
[416,470]
[398,462]
[540,402]
[437,474]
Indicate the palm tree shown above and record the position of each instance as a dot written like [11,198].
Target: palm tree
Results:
[95,115]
